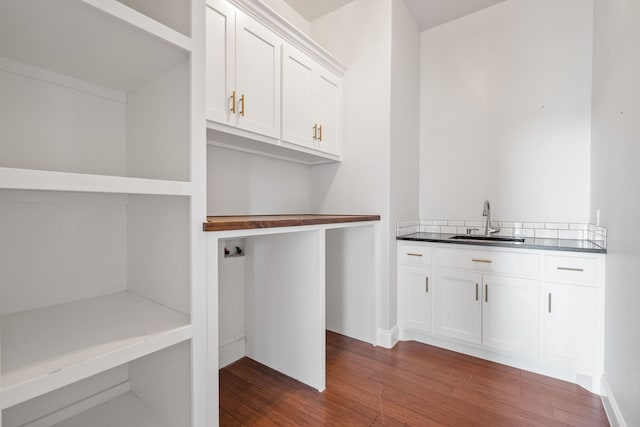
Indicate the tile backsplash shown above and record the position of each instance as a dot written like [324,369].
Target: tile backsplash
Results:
[539,230]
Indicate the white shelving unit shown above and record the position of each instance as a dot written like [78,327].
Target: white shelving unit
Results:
[102,199]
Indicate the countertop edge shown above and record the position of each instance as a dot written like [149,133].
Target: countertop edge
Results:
[227,223]
[507,245]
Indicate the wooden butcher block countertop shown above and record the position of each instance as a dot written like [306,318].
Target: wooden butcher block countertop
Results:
[223,223]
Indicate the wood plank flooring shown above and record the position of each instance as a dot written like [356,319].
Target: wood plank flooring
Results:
[412,384]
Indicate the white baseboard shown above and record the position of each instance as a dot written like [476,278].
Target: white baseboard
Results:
[611,406]
[387,338]
[231,352]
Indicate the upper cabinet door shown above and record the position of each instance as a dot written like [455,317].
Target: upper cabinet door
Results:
[297,98]
[257,77]
[328,104]
[220,73]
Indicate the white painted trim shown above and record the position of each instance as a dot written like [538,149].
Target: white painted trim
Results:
[289,32]
[80,406]
[387,338]
[31,179]
[139,20]
[611,407]
[231,352]
[41,74]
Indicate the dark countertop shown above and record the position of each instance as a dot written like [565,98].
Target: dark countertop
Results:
[223,223]
[529,243]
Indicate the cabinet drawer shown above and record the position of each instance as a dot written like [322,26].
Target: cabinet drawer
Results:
[491,262]
[413,254]
[571,269]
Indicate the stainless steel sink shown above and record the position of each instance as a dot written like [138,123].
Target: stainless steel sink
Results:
[472,237]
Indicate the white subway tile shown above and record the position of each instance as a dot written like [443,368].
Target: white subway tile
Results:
[447,229]
[432,229]
[440,222]
[582,227]
[534,225]
[473,224]
[511,224]
[571,234]
[523,232]
[546,234]
[556,226]
[456,223]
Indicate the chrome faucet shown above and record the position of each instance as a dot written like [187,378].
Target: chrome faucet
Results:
[486,211]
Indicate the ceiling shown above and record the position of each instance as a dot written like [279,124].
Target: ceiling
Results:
[314,9]
[431,13]
[427,13]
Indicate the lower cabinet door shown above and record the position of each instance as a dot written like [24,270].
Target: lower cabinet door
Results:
[416,289]
[570,326]
[510,315]
[458,304]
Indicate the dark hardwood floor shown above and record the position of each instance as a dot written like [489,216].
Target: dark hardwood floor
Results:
[411,384]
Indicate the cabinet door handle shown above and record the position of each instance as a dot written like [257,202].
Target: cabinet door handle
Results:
[580,270]
[485,261]
[427,284]
[242,105]
[233,102]
[486,293]
[476,292]
[549,302]
[320,132]
[412,254]
[315,131]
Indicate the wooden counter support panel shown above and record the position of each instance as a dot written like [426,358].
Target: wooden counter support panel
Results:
[223,223]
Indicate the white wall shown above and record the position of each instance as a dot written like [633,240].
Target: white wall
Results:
[359,34]
[245,184]
[287,12]
[405,129]
[505,113]
[615,178]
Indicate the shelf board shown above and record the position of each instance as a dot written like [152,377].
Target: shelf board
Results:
[48,348]
[98,41]
[30,179]
[125,410]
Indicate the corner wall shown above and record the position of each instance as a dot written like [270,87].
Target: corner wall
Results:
[359,34]
[614,185]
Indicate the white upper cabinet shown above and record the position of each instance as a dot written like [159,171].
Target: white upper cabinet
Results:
[311,103]
[328,107]
[270,89]
[220,57]
[243,71]
[257,96]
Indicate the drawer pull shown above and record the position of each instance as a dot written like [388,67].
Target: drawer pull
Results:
[579,270]
[549,302]
[485,261]
[476,292]
[486,292]
[410,254]
[427,284]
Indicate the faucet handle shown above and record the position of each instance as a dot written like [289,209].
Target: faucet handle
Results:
[471,230]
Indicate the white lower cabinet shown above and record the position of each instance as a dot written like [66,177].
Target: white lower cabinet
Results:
[415,292]
[570,326]
[458,310]
[510,315]
[533,309]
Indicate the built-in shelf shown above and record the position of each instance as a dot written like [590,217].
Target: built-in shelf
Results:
[47,348]
[29,179]
[100,41]
[125,410]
